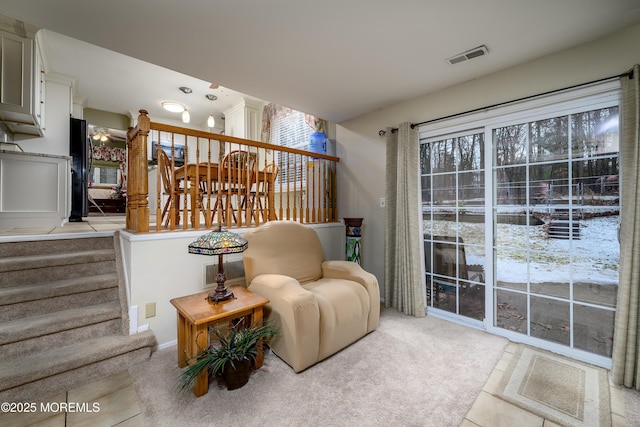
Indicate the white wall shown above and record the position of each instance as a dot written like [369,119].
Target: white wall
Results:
[362,150]
[159,268]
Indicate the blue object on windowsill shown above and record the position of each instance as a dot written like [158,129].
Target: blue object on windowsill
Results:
[318,143]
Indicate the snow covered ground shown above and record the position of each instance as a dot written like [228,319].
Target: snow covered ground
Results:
[594,258]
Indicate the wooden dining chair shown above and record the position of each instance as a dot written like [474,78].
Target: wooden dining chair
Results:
[207,190]
[237,177]
[270,173]
[169,189]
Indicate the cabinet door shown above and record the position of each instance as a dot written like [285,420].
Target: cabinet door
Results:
[16,60]
[38,88]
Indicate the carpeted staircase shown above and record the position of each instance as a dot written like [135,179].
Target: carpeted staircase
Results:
[63,316]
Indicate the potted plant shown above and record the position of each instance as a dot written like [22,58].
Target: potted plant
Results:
[231,356]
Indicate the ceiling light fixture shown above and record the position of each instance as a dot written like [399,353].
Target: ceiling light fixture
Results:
[211,121]
[186,117]
[173,107]
[101,135]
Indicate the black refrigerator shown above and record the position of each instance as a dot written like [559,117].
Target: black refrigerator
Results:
[79,146]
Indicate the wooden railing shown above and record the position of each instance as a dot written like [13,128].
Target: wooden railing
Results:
[202,180]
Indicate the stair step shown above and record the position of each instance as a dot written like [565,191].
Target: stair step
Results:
[17,294]
[33,345]
[51,323]
[54,246]
[52,304]
[58,272]
[564,229]
[30,262]
[63,360]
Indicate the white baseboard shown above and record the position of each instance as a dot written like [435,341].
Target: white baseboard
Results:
[167,345]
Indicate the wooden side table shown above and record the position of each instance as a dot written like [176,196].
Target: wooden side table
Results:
[196,314]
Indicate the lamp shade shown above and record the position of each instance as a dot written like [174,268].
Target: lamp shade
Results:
[218,242]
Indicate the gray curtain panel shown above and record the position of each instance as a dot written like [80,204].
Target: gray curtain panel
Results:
[626,352]
[403,287]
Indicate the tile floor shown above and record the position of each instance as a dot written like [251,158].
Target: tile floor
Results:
[108,402]
[490,411]
[119,405]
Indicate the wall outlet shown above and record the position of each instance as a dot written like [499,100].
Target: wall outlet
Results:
[383,202]
[150,310]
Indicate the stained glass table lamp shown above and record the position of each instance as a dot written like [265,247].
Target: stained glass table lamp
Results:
[219,242]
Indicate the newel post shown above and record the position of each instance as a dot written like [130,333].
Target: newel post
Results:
[137,175]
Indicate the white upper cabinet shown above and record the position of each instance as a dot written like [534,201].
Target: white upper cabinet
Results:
[21,86]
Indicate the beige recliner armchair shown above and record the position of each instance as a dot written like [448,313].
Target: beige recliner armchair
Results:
[319,306]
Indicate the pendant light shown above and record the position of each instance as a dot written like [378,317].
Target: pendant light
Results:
[186,117]
[211,121]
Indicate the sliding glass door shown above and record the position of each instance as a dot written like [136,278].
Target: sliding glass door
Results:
[556,257]
[525,238]
[453,213]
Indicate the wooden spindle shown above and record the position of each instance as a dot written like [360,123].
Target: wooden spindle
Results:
[295,168]
[305,218]
[159,190]
[321,192]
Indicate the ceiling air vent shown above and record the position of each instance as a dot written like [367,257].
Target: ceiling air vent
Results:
[470,54]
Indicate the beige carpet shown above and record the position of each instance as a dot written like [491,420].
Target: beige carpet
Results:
[563,390]
[409,372]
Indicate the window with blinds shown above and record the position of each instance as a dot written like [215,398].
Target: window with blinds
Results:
[291,130]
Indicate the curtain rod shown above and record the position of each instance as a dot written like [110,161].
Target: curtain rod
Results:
[475,110]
